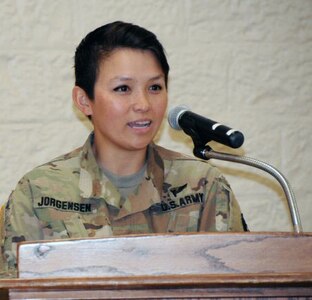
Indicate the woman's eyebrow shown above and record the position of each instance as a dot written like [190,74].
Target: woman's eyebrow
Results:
[161,76]
[127,78]
[121,78]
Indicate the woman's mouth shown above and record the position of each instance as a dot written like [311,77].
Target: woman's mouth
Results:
[139,124]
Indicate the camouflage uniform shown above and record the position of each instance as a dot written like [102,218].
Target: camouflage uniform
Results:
[70,197]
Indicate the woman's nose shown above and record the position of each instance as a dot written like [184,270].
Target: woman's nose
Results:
[141,102]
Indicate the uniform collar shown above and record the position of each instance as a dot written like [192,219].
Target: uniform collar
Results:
[94,184]
[90,176]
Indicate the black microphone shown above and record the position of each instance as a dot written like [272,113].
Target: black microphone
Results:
[206,130]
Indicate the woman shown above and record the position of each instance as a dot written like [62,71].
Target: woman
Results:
[119,182]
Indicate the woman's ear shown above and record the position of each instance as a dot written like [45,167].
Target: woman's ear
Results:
[82,100]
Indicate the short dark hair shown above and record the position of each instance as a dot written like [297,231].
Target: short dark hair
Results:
[99,43]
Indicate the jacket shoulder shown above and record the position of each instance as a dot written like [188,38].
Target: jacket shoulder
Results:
[187,165]
[168,154]
[63,164]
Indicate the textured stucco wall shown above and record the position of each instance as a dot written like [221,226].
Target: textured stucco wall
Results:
[245,63]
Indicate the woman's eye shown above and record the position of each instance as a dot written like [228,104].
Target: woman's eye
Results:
[122,89]
[155,87]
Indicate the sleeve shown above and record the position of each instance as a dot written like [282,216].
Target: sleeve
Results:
[221,211]
[20,223]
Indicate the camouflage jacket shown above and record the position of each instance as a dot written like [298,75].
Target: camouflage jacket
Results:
[69,197]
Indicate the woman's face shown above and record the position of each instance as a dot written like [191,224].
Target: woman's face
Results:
[130,99]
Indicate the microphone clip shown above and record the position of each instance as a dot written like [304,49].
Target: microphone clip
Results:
[200,143]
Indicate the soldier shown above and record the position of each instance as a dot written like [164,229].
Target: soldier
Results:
[119,182]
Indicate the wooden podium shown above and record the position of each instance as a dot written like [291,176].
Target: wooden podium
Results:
[171,266]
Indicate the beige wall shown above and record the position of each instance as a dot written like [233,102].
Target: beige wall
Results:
[245,63]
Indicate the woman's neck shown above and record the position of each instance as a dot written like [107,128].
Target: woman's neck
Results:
[118,161]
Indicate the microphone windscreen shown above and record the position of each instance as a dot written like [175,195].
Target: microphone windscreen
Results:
[174,115]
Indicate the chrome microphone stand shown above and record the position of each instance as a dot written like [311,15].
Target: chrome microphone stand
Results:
[205,152]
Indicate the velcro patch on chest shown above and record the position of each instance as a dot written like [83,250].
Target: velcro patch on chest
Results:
[183,201]
[64,205]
